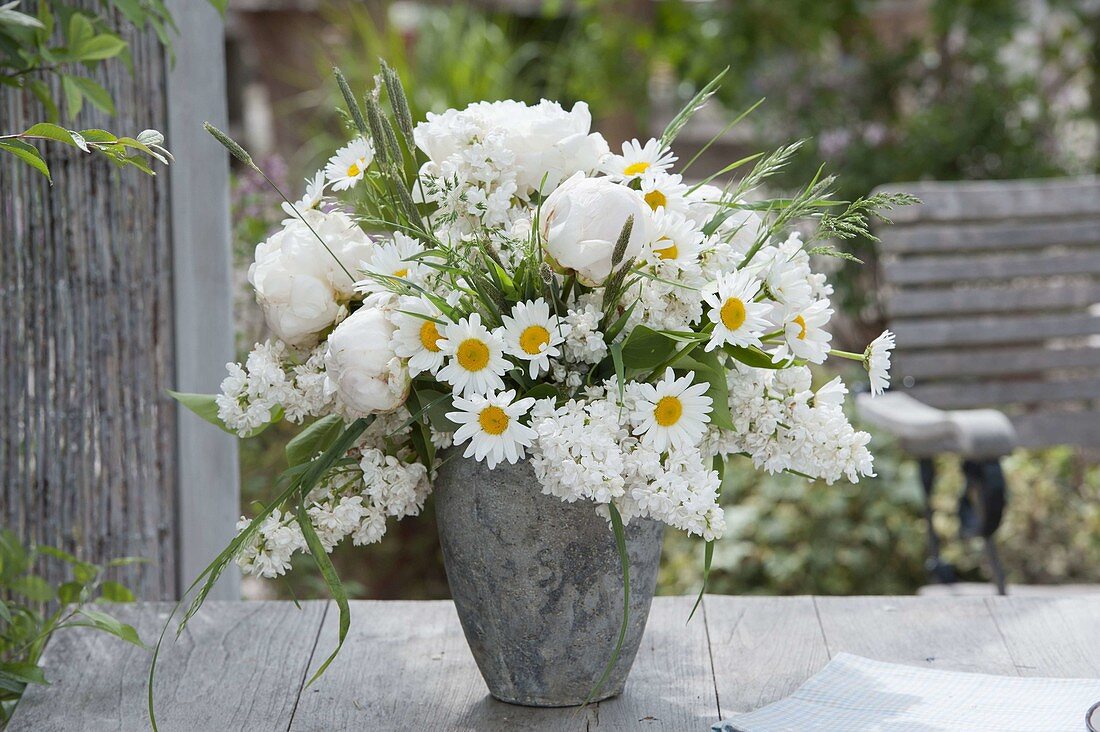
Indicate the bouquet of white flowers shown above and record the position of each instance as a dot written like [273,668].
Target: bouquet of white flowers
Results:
[499,280]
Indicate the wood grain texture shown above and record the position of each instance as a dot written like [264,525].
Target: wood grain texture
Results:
[1050,637]
[671,685]
[763,648]
[406,665]
[242,666]
[957,634]
[87,453]
[992,235]
[238,666]
[208,473]
[1008,199]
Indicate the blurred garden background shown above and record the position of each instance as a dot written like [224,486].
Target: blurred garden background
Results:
[885,90]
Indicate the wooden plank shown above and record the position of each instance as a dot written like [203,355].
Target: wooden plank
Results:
[421,675]
[671,685]
[957,634]
[239,666]
[87,453]
[1049,295]
[990,330]
[763,648]
[209,481]
[977,394]
[1058,428]
[406,665]
[1008,199]
[967,268]
[1050,637]
[932,238]
[993,362]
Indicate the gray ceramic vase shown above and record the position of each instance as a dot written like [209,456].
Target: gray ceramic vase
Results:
[538,583]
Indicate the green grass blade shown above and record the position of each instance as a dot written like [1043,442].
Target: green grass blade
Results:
[708,556]
[624,558]
[335,586]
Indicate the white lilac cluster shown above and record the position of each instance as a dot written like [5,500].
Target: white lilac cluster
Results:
[783,425]
[595,449]
[273,381]
[546,269]
[353,502]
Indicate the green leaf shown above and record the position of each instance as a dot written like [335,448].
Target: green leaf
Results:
[437,405]
[645,348]
[15,675]
[74,97]
[79,30]
[69,592]
[220,5]
[538,391]
[709,368]
[28,154]
[51,132]
[96,94]
[97,48]
[313,439]
[102,621]
[335,586]
[11,17]
[5,613]
[752,356]
[115,592]
[206,406]
[33,588]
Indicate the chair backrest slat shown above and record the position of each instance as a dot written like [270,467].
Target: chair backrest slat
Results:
[993,290]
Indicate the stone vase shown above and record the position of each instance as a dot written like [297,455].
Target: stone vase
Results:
[537,583]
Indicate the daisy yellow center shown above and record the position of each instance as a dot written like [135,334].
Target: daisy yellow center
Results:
[656,199]
[493,420]
[533,338]
[401,272]
[429,336]
[802,327]
[732,313]
[636,168]
[353,170]
[668,411]
[473,354]
[667,252]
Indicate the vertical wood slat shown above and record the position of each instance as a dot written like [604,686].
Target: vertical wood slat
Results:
[208,476]
[87,447]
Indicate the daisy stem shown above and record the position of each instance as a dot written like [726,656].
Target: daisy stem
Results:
[846,354]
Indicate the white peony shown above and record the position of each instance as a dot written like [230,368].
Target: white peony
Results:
[364,373]
[581,222]
[301,286]
[543,139]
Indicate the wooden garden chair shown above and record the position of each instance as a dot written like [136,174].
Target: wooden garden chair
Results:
[993,290]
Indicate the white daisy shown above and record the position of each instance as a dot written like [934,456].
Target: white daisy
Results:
[804,334]
[476,357]
[347,166]
[665,191]
[671,413]
[392,259]
[417,337]
[876,359]
[491,424]
[533,334]
[315,192]
[738,319]
[677,241]
[638,159]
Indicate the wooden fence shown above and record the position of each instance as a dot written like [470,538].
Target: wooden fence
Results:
[114,287]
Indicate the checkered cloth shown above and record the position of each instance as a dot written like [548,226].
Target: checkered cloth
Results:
[854,694]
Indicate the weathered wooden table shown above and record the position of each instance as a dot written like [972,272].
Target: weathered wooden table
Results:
[405,665]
